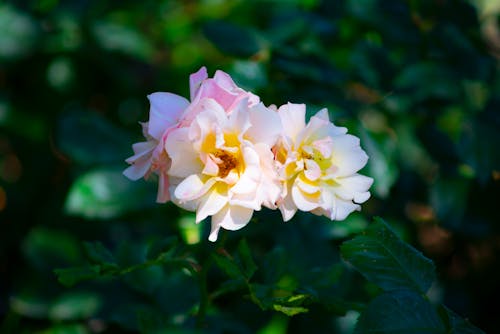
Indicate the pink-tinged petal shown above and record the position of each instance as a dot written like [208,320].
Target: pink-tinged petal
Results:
[224,80]
[347,155]
[305,201]
[239,120]
[165,111]
[211,89]
[266,125]
[185,161]
[270,187]
[287,208]
[312,170]
[141,150]
[195,81]
[212,202]
[163,195]
[211,168]
[293,118]
[137,170]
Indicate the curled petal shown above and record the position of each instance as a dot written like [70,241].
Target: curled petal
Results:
[195,81]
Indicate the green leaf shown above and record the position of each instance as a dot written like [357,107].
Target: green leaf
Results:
[240,266]
[122,38]
[105,193]
[72,306]
[456,324]
[228,265]
[163,249]
[387,261]
[89,139]
[247,263]
[400,312]
[70,276]
[232,39]
[98,254]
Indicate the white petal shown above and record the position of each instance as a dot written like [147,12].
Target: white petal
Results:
[358,185]
[312,171]
[304,201]
[342,209]
[233,217]
[347,155]
[190,188]
[165,111]
[287,206]
[307,186]
[185,161]
[266,125]
[293,118]
[212,202]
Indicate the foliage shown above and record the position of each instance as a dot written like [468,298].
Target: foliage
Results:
[84,250]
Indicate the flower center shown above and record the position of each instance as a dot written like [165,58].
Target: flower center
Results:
[225,161]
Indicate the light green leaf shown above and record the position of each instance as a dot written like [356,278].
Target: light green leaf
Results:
[290,310]
[105,193]
[72,306]
[387,261]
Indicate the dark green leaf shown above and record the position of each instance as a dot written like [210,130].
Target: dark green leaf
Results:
[400,312]
[89,139]
[387,261]
[232,39]
[248,265]
[71,276]
[228,265]
[98,254]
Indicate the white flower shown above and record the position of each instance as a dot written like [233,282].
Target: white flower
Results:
[222,163]
[318,165]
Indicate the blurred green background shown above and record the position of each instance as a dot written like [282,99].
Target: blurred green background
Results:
[417,81]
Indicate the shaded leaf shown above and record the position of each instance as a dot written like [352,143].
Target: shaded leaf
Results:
[89,139]
[232,39]
[74,275]
[387,261]
[400,312]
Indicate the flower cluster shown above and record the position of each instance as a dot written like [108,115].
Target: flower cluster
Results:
[225,154]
